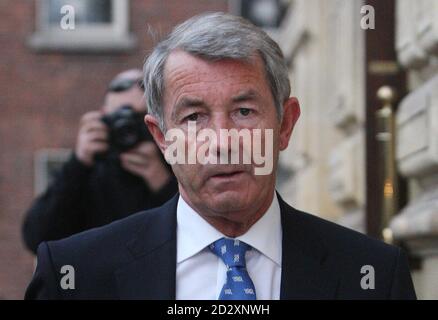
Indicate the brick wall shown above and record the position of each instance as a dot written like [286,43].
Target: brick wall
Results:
[41,99]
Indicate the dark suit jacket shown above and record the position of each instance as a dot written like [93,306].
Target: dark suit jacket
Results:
[135,258]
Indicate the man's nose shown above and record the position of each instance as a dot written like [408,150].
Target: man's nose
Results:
[221,124]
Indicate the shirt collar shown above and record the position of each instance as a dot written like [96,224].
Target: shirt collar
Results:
[194,233]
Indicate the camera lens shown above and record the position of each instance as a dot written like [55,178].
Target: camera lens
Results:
[125,133]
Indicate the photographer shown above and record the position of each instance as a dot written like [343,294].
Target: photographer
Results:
[116,169]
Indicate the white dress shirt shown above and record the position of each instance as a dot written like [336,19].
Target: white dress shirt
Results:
[200,274]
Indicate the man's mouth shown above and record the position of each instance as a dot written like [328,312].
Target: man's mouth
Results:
[228,175]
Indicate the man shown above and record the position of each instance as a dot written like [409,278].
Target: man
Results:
[97,186]
[227,234]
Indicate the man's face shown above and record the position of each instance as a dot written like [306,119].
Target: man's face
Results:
[226,94]
[132,97]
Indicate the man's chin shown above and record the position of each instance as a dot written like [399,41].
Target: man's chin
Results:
[228,201]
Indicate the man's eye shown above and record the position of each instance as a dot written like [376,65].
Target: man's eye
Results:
[244,111]
[192,117]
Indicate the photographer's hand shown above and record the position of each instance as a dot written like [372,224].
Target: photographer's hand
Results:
[92,137]
[144,161]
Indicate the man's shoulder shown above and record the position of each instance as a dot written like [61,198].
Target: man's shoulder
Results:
[111,242]
[346,257]
[116,231]
[99,243]
[335,238]
[97,255]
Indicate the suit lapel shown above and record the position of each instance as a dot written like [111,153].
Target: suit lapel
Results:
[152,272]
[306,264]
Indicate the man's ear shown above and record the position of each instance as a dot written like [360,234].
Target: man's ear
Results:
[291,113]
[154,129]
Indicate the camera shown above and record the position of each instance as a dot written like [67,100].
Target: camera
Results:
[126,129]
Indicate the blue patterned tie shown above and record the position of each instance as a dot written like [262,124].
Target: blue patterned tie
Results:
[239,285]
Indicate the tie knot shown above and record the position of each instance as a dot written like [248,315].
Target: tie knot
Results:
[231,251]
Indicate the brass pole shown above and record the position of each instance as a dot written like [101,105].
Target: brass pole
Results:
[386,138]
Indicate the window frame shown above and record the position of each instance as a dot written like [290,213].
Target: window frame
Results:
[42,161]
[235,7]
[114,36]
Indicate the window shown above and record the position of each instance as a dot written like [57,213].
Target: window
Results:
[82,25]
[47,163]
[267,14]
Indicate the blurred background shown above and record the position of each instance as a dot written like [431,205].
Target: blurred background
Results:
[364,153]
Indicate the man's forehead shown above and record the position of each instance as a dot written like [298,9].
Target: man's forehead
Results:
[191,80]
[180,63]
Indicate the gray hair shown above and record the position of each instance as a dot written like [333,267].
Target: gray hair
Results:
[216,36]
